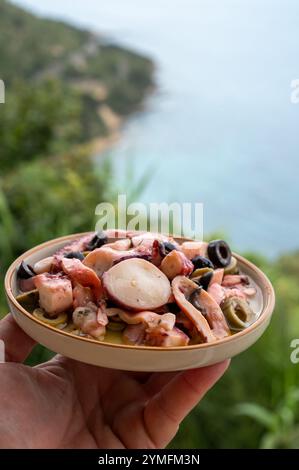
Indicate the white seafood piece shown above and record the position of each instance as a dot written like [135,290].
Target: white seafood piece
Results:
[175,264]
[137,284]
[86,319]
[182,287]
[81,274]
[192,249]
[44,265]
[55,293]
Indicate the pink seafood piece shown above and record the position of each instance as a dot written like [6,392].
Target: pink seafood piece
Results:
[102,259]
[182,287]
[175,264]
[192,249]
[86,318]
[27,285]
[55,293]
[214,315]
[82,296]
[134,334]
[217,292]
[147,239]
[235,292]
[157,330]
[79,244]
[79,273]
[166,320]
[121,245]
[121,233]
[217,276]
[167,339]
[231,280]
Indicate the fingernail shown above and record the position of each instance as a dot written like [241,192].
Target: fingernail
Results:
[2,351]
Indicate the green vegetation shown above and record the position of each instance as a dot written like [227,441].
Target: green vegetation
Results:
[49,187]
[92,73]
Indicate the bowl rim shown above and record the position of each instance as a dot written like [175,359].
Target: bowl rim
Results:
[264,284]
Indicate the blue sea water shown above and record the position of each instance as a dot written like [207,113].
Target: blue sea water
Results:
[221,129]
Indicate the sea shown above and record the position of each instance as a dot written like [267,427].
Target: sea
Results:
[222,127]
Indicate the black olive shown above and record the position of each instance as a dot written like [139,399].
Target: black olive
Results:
[97,241]
[201,262]
[166,247]
[219,253]
[75,254]
[25,271]
[204,280]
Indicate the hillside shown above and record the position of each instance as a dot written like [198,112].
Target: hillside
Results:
[105,76]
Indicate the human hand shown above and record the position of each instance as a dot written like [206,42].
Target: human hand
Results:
[67,404]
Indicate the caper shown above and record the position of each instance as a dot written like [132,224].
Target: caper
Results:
[237,312]
[232,268]
[219,253]
[55,321]
[29,300]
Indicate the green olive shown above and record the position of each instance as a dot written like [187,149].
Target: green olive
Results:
[237,312]
[60,319]
[116,326]
[199,272]
[29,300]
[232,268]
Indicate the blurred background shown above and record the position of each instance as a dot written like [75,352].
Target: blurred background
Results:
[168,100]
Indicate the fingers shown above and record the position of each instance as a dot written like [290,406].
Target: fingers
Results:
[157,381]
[17,344]
[168,408]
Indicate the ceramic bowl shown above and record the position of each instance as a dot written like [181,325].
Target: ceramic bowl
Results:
[138,358]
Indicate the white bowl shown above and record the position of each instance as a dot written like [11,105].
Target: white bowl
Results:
[138,358]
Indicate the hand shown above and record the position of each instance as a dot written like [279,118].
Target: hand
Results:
[67,404]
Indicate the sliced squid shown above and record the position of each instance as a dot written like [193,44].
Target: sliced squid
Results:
[182,288]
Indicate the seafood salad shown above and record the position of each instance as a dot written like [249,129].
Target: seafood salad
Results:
[140,288]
